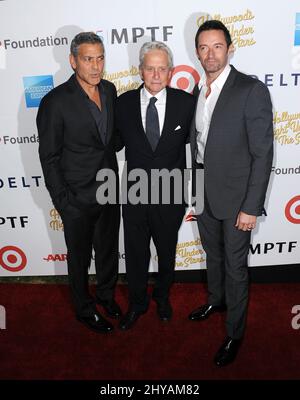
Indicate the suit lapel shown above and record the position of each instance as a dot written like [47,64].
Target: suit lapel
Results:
[84,108]
[138,117]
[110,113]
[193,133]
[223,99]
[169,113]
[217,113]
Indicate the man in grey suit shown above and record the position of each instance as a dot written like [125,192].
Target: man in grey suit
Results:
[232,139]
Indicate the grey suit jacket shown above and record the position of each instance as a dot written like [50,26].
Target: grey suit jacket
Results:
[239,148]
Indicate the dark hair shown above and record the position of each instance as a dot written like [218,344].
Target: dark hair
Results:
[213,24]
[84,37]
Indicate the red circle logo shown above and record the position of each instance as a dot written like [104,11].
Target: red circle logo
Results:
[184,77]
[292,210]
[12,258]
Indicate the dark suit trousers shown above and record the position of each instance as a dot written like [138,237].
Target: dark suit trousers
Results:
[226,249]
[142,222]
[96,228]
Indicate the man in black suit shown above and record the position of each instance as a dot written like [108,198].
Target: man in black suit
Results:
[153,124]
[232,138]
[75,124]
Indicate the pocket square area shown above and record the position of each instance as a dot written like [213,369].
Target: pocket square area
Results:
[177,128]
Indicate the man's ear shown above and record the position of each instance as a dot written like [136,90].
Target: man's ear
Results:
[72,61]
[141,74]
[231,49]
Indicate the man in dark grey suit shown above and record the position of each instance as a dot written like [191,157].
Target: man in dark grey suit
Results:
[76,124]
[232,139]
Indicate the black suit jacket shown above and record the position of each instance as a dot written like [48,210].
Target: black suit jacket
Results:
[70,146]
[170,151]
[239,148]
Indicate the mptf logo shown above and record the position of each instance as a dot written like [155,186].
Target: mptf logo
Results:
[184,77]
[2,317]
[12,258]
[133,34]
[36,87]
[292,210]
[14,222]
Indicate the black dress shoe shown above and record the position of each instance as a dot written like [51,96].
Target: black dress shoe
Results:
[203,312]
[129,320]
[227,352]
[112,308]
[96,323]
[164,311]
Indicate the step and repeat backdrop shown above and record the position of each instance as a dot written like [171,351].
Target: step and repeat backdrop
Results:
[35,37]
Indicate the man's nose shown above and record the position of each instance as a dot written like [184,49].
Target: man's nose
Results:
[156,73]
[210,53]
[95,64]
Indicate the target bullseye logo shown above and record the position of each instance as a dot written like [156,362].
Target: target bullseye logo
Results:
[292,210]
[12,258]
[184,77]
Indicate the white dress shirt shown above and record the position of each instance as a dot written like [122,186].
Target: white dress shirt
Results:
[160,105]
[205,109]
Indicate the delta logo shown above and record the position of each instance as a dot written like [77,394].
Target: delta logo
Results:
[36,87]
[56,257]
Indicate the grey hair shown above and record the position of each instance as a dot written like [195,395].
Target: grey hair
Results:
[84,37]
[155,45]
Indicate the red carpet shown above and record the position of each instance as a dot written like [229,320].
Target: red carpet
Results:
[42,340]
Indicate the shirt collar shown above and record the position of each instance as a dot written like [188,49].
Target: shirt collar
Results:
[83,92]
[146,95]
[220,81]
